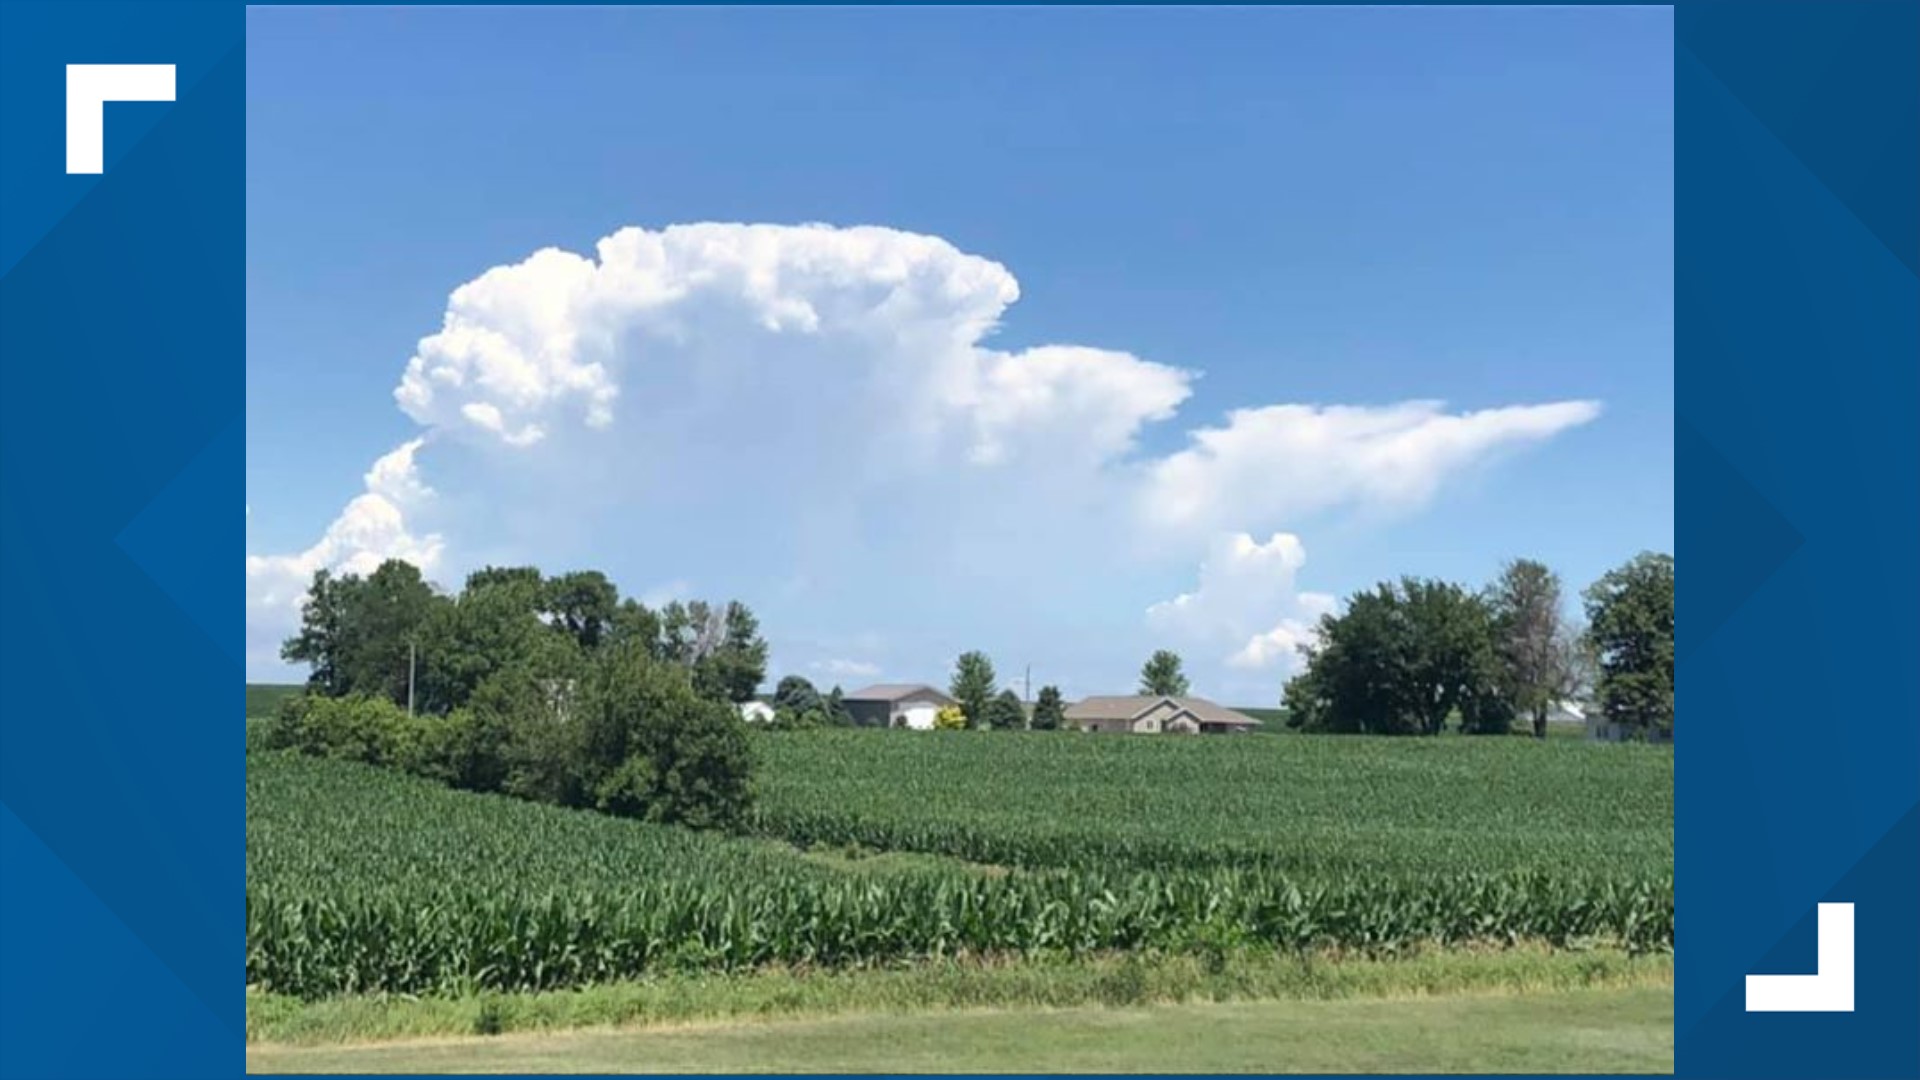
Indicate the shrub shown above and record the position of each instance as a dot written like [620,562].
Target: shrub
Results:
[356,728]
[950,718]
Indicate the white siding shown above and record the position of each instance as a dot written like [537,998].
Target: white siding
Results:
[918,715]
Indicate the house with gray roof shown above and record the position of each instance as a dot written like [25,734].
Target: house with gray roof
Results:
[902,705]
[1156,715]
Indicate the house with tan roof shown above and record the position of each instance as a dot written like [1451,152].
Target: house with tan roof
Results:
[1156,715]
[901,705]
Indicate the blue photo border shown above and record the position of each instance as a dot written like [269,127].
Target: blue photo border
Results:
[1797,340]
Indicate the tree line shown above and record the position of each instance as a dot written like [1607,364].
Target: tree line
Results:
[550,688]
[1411,656]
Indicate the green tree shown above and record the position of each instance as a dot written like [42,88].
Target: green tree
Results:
[838,715]
[526,578]
[721,647]
[796,694]
[492,626]
[321,642]
[1456,669]
[1005,712]
[1630,630]
[973,686]
[636,624]
[652,747]
[735,666]
[1161,675]
[1049,710]
[1539,653]
[355,631]
[582,605]
[526,730]
[798,705]
[1401,659]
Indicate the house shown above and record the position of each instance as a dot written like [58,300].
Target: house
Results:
[1570,714]
[907,705]
[1600,729]
[1152,715]
[756,712]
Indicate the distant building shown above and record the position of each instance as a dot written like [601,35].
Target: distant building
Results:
[1154,715]
[907,705]
[756,712]
[1600,729]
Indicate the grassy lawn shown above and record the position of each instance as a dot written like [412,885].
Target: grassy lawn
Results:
[1613,1029]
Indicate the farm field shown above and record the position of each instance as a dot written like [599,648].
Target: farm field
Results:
[264,698]
[365,881]
[1312,806]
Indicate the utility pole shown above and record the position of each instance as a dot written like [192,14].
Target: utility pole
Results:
[410,655]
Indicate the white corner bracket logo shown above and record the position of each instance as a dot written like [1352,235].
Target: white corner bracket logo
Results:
[89,88]
[1828,989]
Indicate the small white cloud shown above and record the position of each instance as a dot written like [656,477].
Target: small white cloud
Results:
[840,668]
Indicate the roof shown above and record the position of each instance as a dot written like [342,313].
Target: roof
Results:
[1129,706]
[892,692]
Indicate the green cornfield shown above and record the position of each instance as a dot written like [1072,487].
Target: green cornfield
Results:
[1308,805]
[361,880]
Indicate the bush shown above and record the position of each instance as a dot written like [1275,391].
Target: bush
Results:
[358,728]
[950,718]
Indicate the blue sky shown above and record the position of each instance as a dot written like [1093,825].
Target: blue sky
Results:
[1205,214]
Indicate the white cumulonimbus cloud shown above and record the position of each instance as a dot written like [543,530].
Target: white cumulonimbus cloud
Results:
[1247,609]
[802,370]
[527,346]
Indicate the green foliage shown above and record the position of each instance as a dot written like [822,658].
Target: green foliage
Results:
[581,605]
[1538,653]
[654,748]
[1630,628]
[1162,675]
[1005,712]
[519,675]
[1049,710]
[360,727]
[721,647]
[796,695]
[355,632]
[973,686]
[1402,659]
[835,705]
[493,625]
[366,881]
[798,706]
